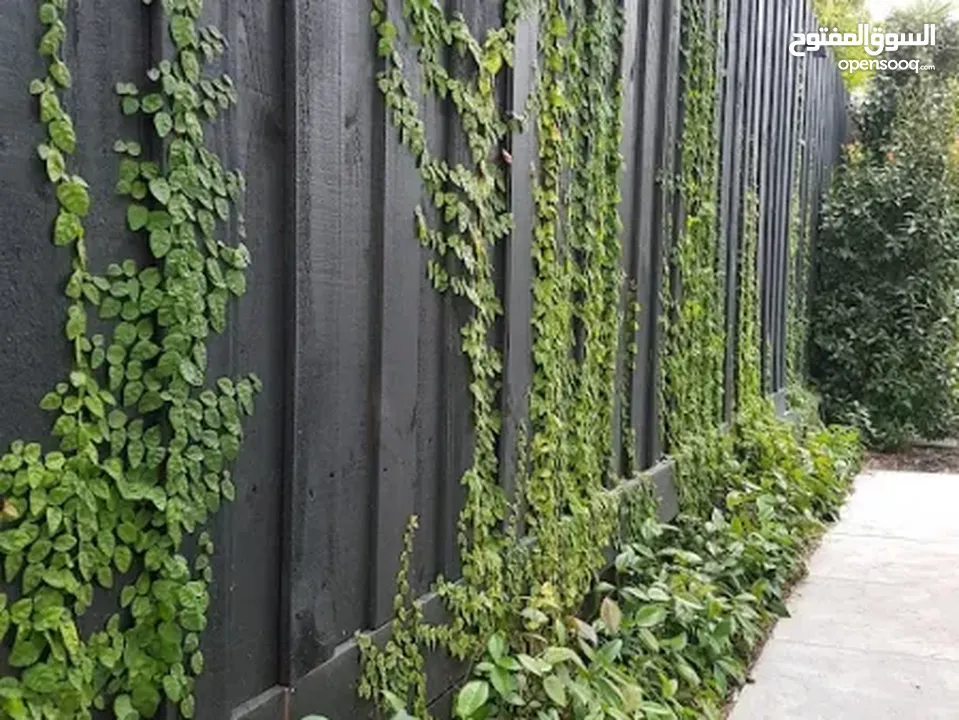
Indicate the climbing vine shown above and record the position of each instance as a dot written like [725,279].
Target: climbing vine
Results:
[520,590]
[144,442]
[749,344]
[576,290]
[568,453]
[797,331]
[694,321]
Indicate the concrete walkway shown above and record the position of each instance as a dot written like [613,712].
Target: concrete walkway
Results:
[874,632]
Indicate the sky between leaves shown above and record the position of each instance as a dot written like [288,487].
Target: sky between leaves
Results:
[880,9]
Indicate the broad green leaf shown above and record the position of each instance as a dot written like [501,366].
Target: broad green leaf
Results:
[471,698]
[152,103]
[123,708]
[611,615]
[51,401]
[555,689]
[649,616]
[63,135]
[123,558]
[160,243]
[137,217]
[191,373]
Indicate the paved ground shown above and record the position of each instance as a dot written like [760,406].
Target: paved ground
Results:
[874,632]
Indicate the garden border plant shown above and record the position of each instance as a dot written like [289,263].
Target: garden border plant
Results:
[144,443]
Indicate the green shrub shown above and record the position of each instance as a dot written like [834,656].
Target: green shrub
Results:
[884,316]
[677,626]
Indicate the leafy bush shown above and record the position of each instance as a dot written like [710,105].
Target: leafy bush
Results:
[687,604]
[884,316]
[879,106]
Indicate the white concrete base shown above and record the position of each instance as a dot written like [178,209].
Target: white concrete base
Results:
[874,632]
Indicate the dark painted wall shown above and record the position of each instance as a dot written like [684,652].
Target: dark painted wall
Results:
[364,417]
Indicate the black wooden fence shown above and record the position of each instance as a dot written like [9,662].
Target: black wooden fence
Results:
[364,419]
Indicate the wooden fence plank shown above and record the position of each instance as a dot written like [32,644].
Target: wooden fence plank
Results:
[670,208]
[518,256]
[334,263]
[729,188]
[241,645]
[632,65]
[648,206]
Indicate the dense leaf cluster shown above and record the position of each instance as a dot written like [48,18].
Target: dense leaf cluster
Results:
[679,618]
[689,603]
[694,319]
[144,444]
[885,313]
[565,458]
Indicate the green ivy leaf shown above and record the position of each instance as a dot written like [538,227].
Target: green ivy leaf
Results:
[145,698]
[51,401]
[163,123]
[11,565]
[48,13]
[122,558]
[26,650]
[160,243]
[160,189]
[190,65]
[123,708]
[61,74]
[236,282]
[187,706]
[41,678]
[63,135]
[191,373]
[73,196]
[137,216]
[54,518]
[130,105]
[152,103]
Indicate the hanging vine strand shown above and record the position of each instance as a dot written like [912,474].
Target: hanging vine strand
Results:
[576,317]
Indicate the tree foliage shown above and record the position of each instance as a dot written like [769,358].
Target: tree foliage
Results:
[846,16]
[879,106]
[885,309]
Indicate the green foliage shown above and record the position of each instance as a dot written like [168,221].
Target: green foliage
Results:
[577,324]
[143,449]
[885,312]
[846,16]
[695,327]
[876,112]
[697,597]
[578,677]
[798,271]
[749,344]
[576,291]
[763,485]
[676,626]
